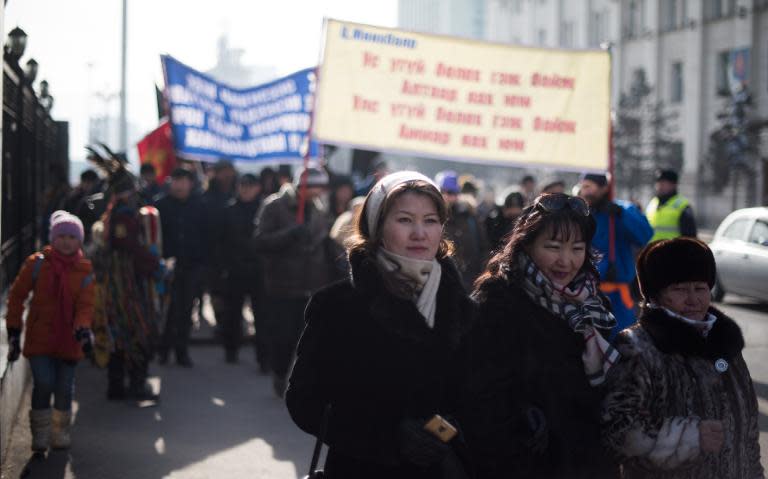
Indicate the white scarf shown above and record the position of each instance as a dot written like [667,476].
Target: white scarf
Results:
[703,326]
[424,275]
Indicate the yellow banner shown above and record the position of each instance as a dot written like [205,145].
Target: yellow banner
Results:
[429,95]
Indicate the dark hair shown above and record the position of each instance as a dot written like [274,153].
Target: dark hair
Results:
[535,220]
[527,179]
[89,175]
[147,168]
[180,172]
[514,200]
[361,243]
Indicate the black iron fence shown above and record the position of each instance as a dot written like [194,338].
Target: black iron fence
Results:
[35,167]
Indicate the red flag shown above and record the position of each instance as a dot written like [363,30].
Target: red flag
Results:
[157,149]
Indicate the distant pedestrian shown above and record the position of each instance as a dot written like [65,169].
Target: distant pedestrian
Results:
[502,219]
[58,327]
[668,212]
[463,227]
[149,189]
[296,263]
[621,230]
[528,189]
[379,348]
[681,403]
[127,315]
[87,201]
[244,269]
[342,192]
[185,238]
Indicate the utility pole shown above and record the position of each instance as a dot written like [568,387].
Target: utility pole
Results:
[123,61]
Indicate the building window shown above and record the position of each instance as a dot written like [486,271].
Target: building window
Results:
[566,35]
[541,36]
[518,6]
[598,31]
[636,23]
[717,9]
[676,90]
[722,84]
[670,17]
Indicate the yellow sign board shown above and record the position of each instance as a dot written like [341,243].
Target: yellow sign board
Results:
[430,95]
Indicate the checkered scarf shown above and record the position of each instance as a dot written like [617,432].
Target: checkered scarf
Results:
[580,306]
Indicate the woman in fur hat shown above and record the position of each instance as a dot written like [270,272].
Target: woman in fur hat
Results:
[379,347]
[681,403]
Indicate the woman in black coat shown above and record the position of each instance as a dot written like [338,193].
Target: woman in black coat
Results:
[379,348]
[538,351]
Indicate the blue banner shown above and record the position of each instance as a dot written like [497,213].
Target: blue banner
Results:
[211,120]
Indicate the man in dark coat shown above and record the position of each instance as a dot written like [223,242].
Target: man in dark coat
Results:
[221,191]
[296,263]
[87,201]
[185,238]
[244,267]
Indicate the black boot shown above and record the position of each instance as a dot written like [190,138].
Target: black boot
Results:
[231,356]
[115,378]
[183,359]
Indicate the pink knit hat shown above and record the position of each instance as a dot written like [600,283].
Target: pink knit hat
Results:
[63,223]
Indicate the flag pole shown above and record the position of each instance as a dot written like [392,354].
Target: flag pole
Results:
[303,180]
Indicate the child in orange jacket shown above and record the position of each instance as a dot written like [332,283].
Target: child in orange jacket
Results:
[58,327]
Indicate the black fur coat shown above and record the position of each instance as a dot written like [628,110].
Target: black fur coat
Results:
[372,356]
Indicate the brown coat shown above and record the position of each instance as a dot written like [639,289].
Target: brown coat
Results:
[668,380]
[297,261]
[42,309]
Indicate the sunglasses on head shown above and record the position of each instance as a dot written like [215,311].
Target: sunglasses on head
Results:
[556,202]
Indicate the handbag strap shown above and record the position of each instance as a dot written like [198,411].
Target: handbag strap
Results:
[320,440]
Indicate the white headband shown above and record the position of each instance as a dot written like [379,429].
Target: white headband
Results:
[381,190]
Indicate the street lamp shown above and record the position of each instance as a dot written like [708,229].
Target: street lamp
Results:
[17,43]
[31,71]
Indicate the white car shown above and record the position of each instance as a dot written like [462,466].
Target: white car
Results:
[740,246]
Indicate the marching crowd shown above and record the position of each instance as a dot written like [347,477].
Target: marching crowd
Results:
[418,331]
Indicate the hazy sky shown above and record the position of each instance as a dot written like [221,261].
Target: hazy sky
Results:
[77,43]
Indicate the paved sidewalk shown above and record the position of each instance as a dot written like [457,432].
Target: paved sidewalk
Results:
[213,421]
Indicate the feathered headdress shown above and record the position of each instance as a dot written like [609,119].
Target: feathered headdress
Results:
[114,165]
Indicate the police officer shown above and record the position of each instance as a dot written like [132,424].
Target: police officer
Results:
[668,212]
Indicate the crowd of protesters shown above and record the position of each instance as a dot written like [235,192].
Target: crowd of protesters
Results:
[414,326]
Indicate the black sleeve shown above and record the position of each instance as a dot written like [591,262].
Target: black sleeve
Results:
[356,429]
[688,223]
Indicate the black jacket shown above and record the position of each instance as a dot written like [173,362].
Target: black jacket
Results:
[239,255]
[372,356]
[525,366]
[185,230]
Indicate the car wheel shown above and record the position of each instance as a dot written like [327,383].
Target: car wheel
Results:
[717,291]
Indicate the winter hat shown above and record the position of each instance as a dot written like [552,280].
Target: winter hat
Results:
[315,177]
[381,190]
[667,175]
[63,223]
[448,181]
[671,261]
[597,178]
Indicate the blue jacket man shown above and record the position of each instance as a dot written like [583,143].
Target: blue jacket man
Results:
[631,231]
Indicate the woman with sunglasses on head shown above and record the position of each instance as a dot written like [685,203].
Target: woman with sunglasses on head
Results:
[681,404]
[379,348]
[539,351]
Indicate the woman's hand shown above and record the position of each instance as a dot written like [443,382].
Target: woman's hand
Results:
[711,436]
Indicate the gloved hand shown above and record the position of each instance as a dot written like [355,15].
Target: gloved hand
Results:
[14,344]
[418,446]
[537,423]
[84,336]
[300,233]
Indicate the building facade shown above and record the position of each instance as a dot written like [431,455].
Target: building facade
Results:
[693,54]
